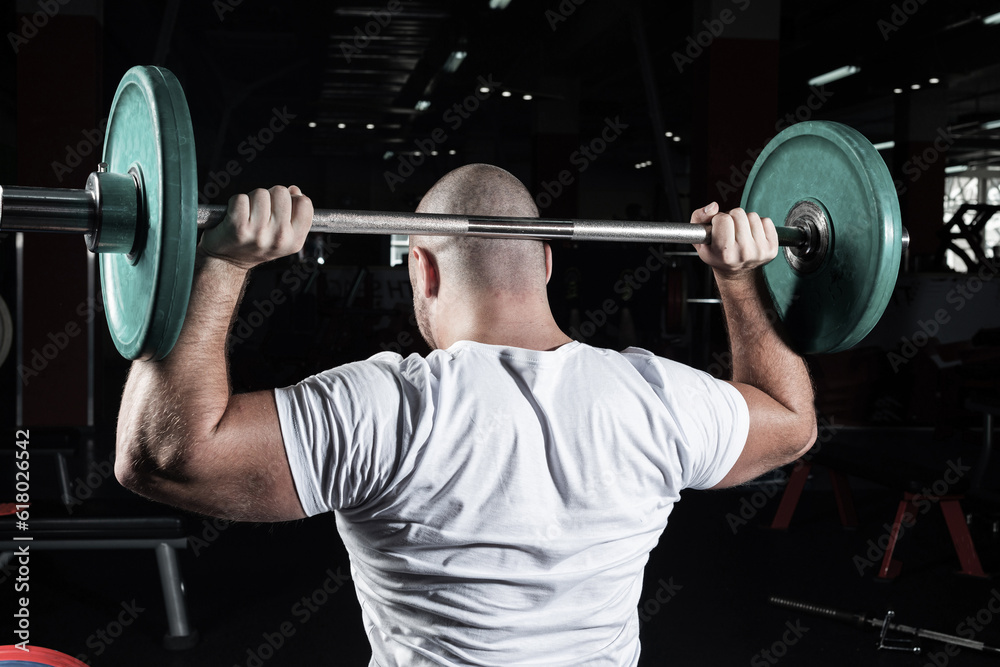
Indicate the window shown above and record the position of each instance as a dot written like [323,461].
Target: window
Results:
[399,246]
[973,187]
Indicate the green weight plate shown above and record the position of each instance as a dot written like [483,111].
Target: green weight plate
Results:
[834,306]
[150,135]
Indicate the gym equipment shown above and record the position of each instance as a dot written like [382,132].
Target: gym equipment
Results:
[139,210]
[35,656]
[6,331]
[830,179]
[885,626]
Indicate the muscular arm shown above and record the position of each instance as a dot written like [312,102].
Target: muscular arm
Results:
[772,378]
[183,438]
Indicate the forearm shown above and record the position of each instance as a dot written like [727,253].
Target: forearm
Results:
[761,356]
[170,404]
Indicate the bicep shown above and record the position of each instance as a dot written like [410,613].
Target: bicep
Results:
[239,470]
[776,436]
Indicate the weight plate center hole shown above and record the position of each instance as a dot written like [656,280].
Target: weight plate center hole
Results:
[811,217]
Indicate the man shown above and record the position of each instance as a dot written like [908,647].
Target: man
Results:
[499,497]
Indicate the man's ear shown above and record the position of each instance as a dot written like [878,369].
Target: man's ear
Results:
[426,271]
[548,262]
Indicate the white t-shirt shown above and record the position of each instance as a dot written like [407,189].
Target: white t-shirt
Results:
[499,504]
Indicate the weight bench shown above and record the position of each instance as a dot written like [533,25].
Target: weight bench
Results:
[127,523]
[164,534]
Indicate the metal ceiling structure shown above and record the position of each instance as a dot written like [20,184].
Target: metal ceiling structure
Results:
[357,70]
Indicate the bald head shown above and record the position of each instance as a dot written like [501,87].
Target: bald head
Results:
[508,265]
[479,189]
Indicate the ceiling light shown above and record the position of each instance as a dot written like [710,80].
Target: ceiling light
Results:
[834,75]
[915,86]
[452,152]
[369,126]
[454,61]
[992,19]
[677,138]
[992,125]
[434,153]
[484,90]
[957,169]
[885,145]
[388,155]
[897,90]
[312,123]
[499,4]
[505,93]
[341,126]
[670,134]
[933,80]
[527,97]
[423,105]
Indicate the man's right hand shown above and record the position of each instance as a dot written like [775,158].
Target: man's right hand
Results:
[259,227]
[740,241]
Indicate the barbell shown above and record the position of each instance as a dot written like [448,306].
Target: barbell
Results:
[825,186]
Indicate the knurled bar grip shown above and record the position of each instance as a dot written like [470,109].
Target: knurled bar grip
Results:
[854,619]
[371,222]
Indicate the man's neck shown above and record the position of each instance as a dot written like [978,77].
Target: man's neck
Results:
[511,322]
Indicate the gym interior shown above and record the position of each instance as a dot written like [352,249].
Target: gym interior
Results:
[632,111]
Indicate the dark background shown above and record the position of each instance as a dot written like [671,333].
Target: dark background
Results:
[726,76]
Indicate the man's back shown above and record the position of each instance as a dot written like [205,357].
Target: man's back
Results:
[499,504]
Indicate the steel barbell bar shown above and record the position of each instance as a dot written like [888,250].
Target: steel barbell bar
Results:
[63,210]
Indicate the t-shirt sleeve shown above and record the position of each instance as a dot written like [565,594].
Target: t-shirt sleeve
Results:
[711,416]
[343,432]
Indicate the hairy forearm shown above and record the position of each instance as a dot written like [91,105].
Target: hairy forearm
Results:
[169,404]
[761,356]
